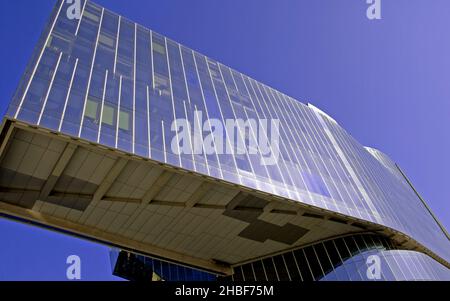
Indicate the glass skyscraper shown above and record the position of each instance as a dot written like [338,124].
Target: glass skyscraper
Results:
[102,100]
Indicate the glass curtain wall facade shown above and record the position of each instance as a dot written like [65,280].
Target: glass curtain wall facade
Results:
[108,80]
[340,259]
[343,258]
[141,268]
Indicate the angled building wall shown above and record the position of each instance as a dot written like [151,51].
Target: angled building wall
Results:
[113,91]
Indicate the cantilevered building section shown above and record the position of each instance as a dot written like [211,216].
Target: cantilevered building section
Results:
[87,147]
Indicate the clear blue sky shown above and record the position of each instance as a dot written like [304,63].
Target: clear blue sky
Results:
[387,82]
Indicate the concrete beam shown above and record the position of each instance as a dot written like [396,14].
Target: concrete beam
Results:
[5,140]
[58,169]
[113,239]
[157,186]
[198,194]
[109,179]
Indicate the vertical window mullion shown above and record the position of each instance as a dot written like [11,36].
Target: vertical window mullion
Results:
[117,43]
[90,74]
[49,88]
[44,46]
[81,17]
[68,94]
[173,102]
[102,107]
[118,111]
[133,138]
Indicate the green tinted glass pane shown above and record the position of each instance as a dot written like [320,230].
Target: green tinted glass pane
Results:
[124,120]
[159,48]
[106,40]
[91,16]
[91,109]
[108,115]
